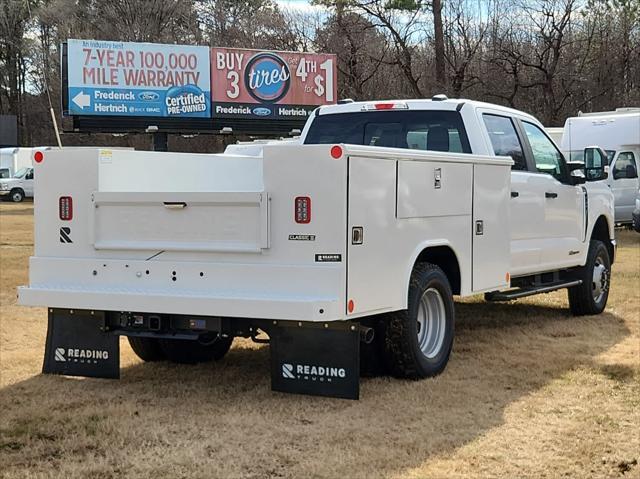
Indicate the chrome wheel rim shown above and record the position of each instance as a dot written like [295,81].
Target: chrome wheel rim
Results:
[432,317]
[600,280]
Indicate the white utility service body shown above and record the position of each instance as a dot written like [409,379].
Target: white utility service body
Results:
[363,229]
[238,229]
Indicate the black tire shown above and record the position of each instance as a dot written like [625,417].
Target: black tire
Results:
[187,351]
[147,349]
[404,356]
[581,297]
[17,195]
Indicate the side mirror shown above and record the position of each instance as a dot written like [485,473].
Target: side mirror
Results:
[595,162]
[577,177]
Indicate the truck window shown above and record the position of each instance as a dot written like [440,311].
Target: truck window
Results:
[504,139]
[625,166]
[5,173]
[418,130]
[545,154]
[21,172]
[383,134]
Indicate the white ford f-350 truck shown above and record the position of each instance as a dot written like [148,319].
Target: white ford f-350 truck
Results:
[345,249]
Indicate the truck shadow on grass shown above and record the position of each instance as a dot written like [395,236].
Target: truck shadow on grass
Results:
[222,420]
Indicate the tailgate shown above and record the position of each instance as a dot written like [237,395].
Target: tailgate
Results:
[226,222]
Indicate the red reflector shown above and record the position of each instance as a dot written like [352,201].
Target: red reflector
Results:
[38,156]
[303,209]
[351,306]
[65,208]
[385,106]
[336,152]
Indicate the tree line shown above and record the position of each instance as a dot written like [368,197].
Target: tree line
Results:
[551,58]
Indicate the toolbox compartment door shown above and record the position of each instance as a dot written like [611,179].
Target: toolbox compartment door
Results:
[491,234]
[221,222]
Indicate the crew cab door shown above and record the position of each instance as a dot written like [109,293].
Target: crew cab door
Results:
[562,226]
[623,181]
[526,205]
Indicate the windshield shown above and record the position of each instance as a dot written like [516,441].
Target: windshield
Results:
[21,172]
[419,129]
[610,155]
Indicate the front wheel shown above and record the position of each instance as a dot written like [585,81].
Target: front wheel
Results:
[17,196]
[418,340]
[591,296]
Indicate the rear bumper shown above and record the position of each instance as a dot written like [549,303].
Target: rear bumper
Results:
[256,291]
[282,308]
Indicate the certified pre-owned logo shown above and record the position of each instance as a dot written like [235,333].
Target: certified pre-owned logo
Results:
[267,77]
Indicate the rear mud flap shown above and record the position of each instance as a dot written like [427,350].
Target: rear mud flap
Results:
[312,359]
[78,346]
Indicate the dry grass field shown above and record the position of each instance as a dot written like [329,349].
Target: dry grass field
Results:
[530,392]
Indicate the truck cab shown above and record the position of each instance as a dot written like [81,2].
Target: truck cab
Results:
[19,186]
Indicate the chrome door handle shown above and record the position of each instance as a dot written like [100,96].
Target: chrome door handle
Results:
[175,205]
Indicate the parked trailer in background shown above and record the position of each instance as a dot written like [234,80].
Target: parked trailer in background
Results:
[344,248]
[618,133]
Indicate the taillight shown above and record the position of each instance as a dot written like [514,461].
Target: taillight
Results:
[303,209]
[65,208]
[38,156]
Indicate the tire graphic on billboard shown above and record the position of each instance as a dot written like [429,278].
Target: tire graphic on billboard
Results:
[267,77]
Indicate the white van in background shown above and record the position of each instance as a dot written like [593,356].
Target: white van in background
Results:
[555,133]
[618,134]
[13,159]
[19,186]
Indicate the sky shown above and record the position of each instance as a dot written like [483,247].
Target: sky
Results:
[302,5]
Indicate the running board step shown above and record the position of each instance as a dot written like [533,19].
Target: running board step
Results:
[523,292]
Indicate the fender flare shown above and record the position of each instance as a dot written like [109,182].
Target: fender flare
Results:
[418,250]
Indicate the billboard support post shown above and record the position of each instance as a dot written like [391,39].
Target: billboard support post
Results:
[160,141]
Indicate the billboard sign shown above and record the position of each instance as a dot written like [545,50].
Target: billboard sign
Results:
[138,79]
[264,84]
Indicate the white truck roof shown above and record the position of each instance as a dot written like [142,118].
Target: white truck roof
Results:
[449,104]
